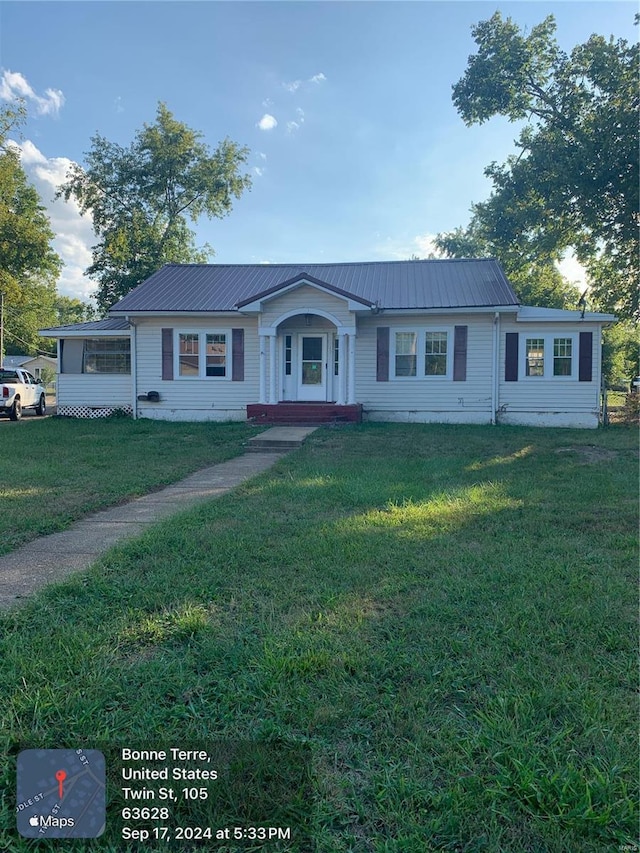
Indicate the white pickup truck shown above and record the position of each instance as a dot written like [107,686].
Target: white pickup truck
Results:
[19,390]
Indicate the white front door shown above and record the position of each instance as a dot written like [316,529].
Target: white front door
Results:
[312,367]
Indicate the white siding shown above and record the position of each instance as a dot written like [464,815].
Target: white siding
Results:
[94,389]
[189,399]
[556,400]
[425,399]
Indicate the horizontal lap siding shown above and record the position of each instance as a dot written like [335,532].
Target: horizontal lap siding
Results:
[552,396]
[306,297]
[94,389]
[195,399]
[427,398]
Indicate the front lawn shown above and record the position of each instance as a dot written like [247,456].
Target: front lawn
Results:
[441,619]
[56,470]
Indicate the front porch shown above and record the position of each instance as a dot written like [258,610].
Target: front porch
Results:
[298,414]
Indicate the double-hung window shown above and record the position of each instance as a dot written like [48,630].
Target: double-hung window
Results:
[406,353]
[203,355]
[534,364]
[435,354]
[422,353]
[562,356]
[548,356]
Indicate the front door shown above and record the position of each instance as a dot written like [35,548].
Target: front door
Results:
[312,367]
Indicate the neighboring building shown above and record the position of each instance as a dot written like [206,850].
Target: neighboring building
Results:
[415,341]
[33,363]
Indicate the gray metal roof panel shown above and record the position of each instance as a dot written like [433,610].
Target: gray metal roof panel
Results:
[451,283]
[109,324]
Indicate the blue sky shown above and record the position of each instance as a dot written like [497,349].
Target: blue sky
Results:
[357,152]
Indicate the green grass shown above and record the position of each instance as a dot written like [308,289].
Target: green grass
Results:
[441,620]
[54,471]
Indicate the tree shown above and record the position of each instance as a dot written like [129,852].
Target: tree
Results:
[69,310]
[142,197]
[28,265]
[575,180]
[536,280]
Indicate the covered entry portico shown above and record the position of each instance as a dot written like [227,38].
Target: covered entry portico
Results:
[307,348]
[307,356]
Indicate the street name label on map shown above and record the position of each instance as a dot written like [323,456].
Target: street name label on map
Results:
[60,793]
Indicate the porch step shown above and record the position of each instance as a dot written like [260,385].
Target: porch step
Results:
[304,413]
[279,439]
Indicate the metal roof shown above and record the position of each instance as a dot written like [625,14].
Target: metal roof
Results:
[454,283]
[111,324]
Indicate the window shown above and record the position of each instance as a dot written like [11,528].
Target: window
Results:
[336,356]
[215,348]
[287,355]
[421,353]
[107,355]
[562,349]
[189,355]
[216,355]
[547,356]
[435,354]
[406,353]
[534,364]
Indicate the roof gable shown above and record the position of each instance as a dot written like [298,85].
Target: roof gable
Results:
[298,281]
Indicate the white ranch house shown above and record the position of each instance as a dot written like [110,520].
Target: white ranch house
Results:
[413,341]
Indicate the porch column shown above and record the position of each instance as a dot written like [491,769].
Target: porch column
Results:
[273,370]
[263,369]
[351,393]
[342,369]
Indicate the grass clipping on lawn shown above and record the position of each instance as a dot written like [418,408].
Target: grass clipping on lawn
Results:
[443,616]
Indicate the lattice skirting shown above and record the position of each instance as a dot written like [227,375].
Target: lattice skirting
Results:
[92,411]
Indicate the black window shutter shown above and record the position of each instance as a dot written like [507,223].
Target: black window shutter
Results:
[382,354]
[167,353]
[585,358]
[511,357]
[460,353]
[237,352]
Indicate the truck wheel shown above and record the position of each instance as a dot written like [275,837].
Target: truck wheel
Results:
[16,411]
[41,408]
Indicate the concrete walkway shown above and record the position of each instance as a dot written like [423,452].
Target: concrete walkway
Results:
[55,557]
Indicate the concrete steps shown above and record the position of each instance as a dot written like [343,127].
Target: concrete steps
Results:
[279,439]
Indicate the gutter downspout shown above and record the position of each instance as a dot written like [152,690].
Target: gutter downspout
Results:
[494,368]
[134,369]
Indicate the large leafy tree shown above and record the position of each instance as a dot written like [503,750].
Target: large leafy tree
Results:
[142,197]
[574,182]
[28,265]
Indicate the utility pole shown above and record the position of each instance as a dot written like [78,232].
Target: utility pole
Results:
[1,328]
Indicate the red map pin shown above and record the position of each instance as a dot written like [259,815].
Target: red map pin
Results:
[61,775]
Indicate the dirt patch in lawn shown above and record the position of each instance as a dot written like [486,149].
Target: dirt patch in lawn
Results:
[590,454]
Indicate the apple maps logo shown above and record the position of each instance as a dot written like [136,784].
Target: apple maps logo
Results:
[61,793]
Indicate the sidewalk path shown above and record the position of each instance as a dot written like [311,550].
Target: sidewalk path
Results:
[55,557]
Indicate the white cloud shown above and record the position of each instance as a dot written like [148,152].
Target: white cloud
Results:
[267,103]
[425,243]
[259,172]
[402,249]
[292,126]
[573,271]
[267,122]
[118,104]
[14,85]
[74,232]
[261,155]
[294,85]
